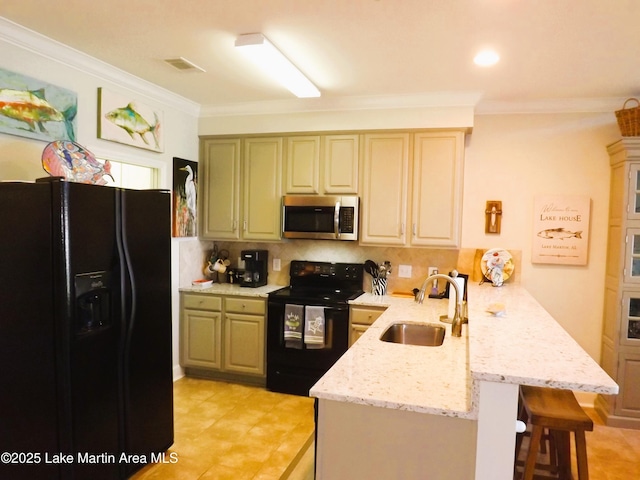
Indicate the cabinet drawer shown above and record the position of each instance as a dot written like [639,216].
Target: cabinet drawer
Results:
[202,302]
[365,316]
[245,305]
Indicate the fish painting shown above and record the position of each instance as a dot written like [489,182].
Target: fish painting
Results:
[559,234]
[133,123]
[32,108]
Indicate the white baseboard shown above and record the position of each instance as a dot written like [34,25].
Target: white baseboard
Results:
[178,372]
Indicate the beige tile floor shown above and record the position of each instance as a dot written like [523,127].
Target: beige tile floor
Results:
[612,453]
[238,432]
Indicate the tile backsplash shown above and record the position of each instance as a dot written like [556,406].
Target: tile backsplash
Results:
[195,253]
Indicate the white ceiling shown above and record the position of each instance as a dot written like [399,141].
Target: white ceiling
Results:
[551,50]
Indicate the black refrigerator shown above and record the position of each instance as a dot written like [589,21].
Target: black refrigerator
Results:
[85,330]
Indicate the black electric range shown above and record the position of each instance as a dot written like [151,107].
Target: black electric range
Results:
[312,284]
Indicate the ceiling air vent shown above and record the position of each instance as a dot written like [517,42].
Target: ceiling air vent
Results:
[183,64]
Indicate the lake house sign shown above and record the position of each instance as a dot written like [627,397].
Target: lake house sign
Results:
[561,229]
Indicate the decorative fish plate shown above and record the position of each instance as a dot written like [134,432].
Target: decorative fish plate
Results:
[73,162]
[497,258]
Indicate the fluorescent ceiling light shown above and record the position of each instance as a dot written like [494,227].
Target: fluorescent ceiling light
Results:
[486,58]
[267,57]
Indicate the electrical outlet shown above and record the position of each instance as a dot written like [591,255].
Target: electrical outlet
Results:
[276,264]
[404,271]
[432,270]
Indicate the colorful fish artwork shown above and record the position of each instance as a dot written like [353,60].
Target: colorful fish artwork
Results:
[559,234]
[130,121]
[74,163]
[32,108]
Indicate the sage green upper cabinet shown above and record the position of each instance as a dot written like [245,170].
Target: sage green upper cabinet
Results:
[220,192]
[412,189]
[236,169]
[303,164]
[340,155]
[384,190]
[410,183]
[322,164]
[437,189]
[262,188]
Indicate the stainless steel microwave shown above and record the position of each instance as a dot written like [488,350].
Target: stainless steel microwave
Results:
[320,217]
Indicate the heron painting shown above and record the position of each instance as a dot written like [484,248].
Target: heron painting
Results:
[185,190]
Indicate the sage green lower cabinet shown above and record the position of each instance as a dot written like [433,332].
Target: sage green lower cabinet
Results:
[201,331]
[244,336]
[223,337]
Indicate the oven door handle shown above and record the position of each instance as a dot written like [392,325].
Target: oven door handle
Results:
[336,308]
[336,220]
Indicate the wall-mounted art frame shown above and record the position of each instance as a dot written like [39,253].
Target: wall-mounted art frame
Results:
[185,201]
[561,229]
[35,109]
[126,120]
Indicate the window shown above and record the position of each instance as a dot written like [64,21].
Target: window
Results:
[128,175]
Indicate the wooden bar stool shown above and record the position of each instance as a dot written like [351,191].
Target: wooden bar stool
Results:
[557,411]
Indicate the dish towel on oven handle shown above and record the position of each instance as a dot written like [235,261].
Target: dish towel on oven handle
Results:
[293,321]
[314,323]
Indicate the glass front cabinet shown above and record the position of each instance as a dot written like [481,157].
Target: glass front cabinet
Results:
[630,324]
[620,352]
[633,201]
[632,256]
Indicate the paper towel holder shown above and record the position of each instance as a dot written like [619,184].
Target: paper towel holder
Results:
[448,286]
[445,294]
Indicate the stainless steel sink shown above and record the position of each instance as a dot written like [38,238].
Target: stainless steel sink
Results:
[425,334]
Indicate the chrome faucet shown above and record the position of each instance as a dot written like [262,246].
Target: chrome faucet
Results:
[456,323]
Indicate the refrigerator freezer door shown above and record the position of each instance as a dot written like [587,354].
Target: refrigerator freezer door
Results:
[28,405]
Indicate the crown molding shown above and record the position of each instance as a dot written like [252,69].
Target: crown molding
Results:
[551,106]
[38,44]
[440,100]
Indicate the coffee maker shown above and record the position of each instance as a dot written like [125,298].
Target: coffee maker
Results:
[255,267]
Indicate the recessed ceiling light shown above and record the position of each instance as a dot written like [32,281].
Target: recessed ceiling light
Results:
[486,58]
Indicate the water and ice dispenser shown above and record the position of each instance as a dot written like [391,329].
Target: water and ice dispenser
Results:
[93,301]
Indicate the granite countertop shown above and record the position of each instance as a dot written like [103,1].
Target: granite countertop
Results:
[524,346]
[233,289]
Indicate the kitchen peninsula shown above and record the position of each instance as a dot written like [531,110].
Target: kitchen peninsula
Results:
[389,410]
